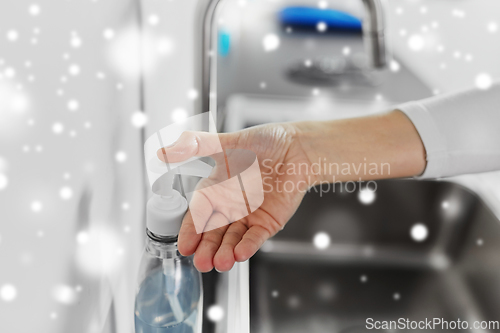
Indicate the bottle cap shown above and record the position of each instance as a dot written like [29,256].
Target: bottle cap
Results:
[165,213]
[167,207]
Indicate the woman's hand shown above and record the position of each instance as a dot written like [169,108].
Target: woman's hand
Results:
[287,154]
[277,148]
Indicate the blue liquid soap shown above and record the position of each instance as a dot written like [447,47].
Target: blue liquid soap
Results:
[169,296]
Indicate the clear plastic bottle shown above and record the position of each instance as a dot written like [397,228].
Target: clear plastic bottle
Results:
[169,297]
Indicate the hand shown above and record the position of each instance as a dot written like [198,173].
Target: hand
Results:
[287,153]
[277,147]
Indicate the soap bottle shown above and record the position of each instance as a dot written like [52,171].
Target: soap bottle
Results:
[169,297]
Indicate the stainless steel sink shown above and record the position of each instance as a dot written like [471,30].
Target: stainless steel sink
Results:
[373,267]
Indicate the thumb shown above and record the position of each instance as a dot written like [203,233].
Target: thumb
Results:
[200,144]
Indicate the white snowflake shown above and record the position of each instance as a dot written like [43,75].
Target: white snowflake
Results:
[73,105]
[192,94]
[82,237]
[108,33]
[57,128]
[321,240]
[321,26]
[271,42]
[4,181]
[215,313]
[36,206]
[75,41]
[66,193]
[9,72]
[484,81]
[416,42]
[74,69]
[8,292]
[394,66]
[458,13]
[34,10]
[419,232]
[165,46]
[64,294]
[368,196]
[12,35]
[139,119]
[153,19]
[492,27]
[121,156]
[179,114]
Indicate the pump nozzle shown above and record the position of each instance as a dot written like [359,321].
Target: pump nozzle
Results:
[167,207]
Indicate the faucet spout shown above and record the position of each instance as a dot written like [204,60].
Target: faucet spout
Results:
[373,34]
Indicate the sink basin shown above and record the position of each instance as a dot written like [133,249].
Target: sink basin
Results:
[421,249]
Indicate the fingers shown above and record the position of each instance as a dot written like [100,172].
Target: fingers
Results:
[208,246]
[192,144]
[188,237]
[224,258]
[252,240]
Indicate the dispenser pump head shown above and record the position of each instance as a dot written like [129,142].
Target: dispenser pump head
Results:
[167,207]
[165,213]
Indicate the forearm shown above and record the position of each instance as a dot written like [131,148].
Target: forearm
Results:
[368,148]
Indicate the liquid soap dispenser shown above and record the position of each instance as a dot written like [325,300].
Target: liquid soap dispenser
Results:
[169,297]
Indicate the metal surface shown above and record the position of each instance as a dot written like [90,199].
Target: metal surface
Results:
[373,267]
[373,31]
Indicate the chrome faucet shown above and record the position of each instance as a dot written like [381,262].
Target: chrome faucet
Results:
[373,35]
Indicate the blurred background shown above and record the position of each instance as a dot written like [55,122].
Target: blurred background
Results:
[84,82]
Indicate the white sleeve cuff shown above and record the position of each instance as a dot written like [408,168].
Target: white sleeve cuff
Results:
[434,142]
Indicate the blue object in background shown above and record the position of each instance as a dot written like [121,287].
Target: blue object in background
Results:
[309,17]
[224,43]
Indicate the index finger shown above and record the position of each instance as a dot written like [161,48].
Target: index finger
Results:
[188,237]
[190,144]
